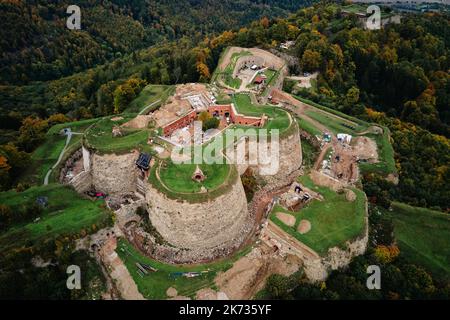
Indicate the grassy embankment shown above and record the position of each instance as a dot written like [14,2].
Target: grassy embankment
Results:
[333,220]
[155,284]
[423,236]
[67,213]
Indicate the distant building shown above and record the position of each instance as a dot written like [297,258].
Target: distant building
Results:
[360,12]
[259,80]
[287,44]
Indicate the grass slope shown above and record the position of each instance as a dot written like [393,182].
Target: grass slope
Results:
[423,236]
[46,155]
[155,284]
[333,220]
[149,96]
[99,136]
[67,213]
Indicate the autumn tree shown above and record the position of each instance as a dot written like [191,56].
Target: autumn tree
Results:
[32,133]
[310,60]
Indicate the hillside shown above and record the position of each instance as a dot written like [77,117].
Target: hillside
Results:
[364,124]
[36,45]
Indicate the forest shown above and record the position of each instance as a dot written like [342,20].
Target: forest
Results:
[397,76]
[36,45]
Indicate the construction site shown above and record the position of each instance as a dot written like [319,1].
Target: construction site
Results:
[177,224]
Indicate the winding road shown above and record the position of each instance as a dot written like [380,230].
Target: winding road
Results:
[69,134]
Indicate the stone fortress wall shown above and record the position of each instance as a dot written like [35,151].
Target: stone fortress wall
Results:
[109,173]
[220,222]
[193,232]
[290,156]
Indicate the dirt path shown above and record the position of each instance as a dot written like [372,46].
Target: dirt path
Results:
[291,242]
[61,154]
[322,154]
[263,198]
[118,271]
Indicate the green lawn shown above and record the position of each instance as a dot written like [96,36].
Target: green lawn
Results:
[178,177]
[67,213]
[423,236]
[155,284]
[308,127]
[386,164]
[99,136]
[279,118]
[149,96]
[333,220]
[46,155]
[336,125]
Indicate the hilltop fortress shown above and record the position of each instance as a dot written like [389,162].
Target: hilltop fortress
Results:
[177,210]
[188,226]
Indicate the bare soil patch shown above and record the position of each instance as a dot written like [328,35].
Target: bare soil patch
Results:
[286,218]
[304,226]
[178,104]
[350,195]
[171,292]
[365,148]
[140,122]
[249,274]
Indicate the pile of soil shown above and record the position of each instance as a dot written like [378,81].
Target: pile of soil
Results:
[286,218]
[304,226]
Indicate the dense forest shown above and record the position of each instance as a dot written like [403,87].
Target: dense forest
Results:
[36,45]
[398,77]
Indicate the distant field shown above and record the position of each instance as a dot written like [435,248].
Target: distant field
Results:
[155,284]
[146,101]
[333,220]
[67,213]
[423,236]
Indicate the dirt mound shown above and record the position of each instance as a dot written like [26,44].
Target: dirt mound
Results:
[350,195]
[116,118]
[206,294]
[304,226]
[171,292]
[365,148]
[286,218]
[248,274]
[140,122]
